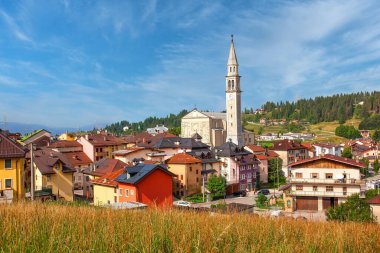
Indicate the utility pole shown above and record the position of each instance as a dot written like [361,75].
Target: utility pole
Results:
[31,173]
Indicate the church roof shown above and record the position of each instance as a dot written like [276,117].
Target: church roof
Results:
[215,115]
[196,136]
[232,60]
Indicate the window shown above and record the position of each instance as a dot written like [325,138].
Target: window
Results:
[242,176]
[329,175]
[87,178]
[121,192]
[249,176]
[298,175]
[344,190]
[181,177]
[48,178]
[126,193]
[196,172]
[288,203]
[314,175]
[79,178]
[8,163]
[315,188]
[181,193]
[299,187]
[115,199]
[197,180]
[8,183]
[115,190]
[329,188]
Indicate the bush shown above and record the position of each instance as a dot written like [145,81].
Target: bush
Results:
[354,209]
[195,198]
[261,201]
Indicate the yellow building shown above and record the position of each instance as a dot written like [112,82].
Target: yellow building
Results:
[12,169]
[53,174]
[188,170]
[106,189]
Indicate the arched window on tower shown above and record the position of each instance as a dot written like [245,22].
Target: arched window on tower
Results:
[233,84]
[230,69]
[234,69]
[229,84]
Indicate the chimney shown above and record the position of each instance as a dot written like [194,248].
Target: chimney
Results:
[86,136]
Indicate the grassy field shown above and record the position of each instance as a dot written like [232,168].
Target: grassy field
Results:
[325,131]
[57,228]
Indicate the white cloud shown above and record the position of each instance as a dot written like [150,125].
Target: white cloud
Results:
[15,29]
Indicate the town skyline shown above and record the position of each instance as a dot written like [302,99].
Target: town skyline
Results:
[113,61]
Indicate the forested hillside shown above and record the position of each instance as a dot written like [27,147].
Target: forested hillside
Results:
[324,109]
[171,121]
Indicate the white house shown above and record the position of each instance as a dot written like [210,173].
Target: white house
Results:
[327,149]
[323,181]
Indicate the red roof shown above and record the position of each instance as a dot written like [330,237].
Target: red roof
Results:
[375,200]
[256,148]
[100,140]
[262,157]
[334,158]
[285,145]
[109,178]
[9,148]
[77,158]
[65,144]
[105,166]
[183,158]
[272,154]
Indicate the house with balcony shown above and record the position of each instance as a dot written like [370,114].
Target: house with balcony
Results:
[230,155]
[323,181]
[249,172]
[12,170]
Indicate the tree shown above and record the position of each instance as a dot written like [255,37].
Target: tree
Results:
[376,135]
[354,209]
[275,173]
[365,170]
[260,131]
[347,152]
[217,186]
[348,132]
[376,165]
[175,130]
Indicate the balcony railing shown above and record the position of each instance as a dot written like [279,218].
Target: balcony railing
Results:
[350,181]
[324,193]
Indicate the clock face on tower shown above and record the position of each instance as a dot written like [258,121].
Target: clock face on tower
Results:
[230,97]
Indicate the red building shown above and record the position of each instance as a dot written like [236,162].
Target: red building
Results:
[150,184]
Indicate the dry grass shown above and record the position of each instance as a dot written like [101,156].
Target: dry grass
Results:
[57,228]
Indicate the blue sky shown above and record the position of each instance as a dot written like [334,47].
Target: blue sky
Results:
[74,63]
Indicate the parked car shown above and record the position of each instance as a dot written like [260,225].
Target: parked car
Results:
[240,193]
[263,191]
[182,203]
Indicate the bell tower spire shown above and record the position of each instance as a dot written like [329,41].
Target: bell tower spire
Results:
[233,98]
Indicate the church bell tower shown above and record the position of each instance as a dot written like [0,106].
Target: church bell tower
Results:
[233,99]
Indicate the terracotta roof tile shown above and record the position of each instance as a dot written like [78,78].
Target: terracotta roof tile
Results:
[256,148]
[109,178]
[65,144]
[183,158]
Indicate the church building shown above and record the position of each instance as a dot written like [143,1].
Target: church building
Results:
[217,128]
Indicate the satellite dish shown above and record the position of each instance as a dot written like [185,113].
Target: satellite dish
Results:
[340,176]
